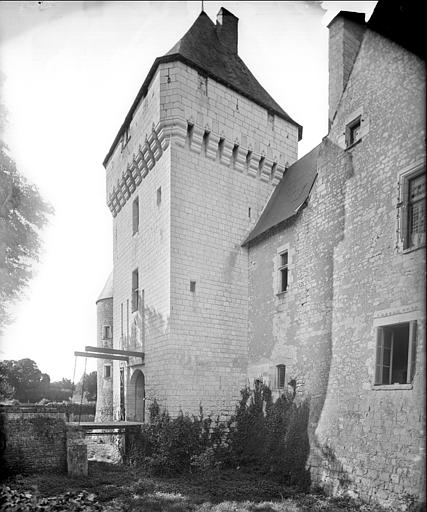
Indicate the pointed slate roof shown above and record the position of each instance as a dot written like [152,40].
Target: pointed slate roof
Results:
[289,195]
[107,291]
[402,22]
[201,49]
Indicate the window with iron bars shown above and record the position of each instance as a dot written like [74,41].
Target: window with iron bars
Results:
[412,209]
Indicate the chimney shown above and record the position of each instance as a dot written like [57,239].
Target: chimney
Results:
[345,36]
[226,29]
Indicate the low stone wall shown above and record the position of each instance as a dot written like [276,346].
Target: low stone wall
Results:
[32,440]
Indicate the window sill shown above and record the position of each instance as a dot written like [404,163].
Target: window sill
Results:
[353,144]
[391,387]
[414,248]
[281,294]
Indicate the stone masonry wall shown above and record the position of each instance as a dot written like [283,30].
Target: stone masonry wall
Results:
[348,275]
[32,442]
[371,438]
[196,144]
[216,197]
[294,327]
[148,251]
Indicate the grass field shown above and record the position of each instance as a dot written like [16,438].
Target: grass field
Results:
[117,488]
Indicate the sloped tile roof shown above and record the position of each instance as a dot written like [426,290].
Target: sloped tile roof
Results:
[289,195]
[201,49]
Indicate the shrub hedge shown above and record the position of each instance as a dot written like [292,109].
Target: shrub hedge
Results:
[263,436]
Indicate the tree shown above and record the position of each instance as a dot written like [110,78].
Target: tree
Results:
[60,391]
[89,387]
[23,213]
[29,384]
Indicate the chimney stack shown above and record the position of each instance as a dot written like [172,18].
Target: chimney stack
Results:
[345,36]
[226,29]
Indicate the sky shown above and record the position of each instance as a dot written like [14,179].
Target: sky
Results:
[69,74]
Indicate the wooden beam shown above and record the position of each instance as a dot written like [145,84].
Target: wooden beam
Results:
[102,356]
[115,351]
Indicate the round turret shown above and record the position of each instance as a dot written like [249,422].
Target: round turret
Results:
[104,339]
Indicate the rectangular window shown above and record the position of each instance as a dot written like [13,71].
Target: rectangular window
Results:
[135,290]
[412,209]
[192,286]
[281,373]
[159,196]
[283,271]
[416,209]
[396,352]
[107,371]
[135,216]
[106,332]
[353,131]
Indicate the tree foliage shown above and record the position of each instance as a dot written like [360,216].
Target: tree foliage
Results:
[23,213]
[60,391]
[88,383]
[28,383]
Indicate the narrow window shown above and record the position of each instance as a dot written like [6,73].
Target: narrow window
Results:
[135,216]
[159,196]
[270,120]
[106,332]
[283,271]
[122,395]
[127,318]
[107,371]
[121,319]
[203,84]
[353,131]
[281,372]
[135,290]
[192,286]
[396,352]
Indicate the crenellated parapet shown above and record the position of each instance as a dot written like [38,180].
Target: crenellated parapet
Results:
[198,140]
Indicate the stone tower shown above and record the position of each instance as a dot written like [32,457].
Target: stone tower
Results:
[104,339]
[188,174]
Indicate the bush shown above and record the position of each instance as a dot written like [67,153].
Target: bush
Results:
[270,437]
[168,445]
[262,436]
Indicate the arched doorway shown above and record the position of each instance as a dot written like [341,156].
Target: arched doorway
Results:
[136,403]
